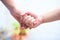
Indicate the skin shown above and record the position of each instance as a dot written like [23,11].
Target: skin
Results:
[52,15]
[30,20]
[33,20]
[17,14]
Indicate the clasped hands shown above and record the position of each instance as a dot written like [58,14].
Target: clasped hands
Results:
[29,20]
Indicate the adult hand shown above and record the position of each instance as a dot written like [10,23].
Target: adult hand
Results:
[25,19]
[32,20]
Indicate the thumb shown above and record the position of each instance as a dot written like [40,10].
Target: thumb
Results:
[31,14]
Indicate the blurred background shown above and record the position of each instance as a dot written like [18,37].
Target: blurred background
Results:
[46,31]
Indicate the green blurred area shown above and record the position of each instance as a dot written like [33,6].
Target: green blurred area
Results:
[16,26]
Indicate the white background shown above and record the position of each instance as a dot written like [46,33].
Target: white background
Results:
[47,31]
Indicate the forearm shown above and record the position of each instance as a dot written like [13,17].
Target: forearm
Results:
[51,16]
[8,3]
[13,7]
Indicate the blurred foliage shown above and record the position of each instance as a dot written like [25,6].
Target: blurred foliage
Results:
[16,27]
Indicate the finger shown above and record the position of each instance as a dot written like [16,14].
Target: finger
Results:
[30,22]
[34,23]
[32,14]
[22,17]
[37,22]
[26,18]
